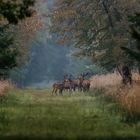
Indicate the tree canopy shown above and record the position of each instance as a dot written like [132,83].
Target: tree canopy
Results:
[134,52]
[11,12]
[16,10]
[99,28]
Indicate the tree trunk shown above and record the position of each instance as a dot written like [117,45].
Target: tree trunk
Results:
[120,71]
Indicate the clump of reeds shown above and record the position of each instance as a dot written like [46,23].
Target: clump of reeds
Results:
[127,96]
[111,79]
[101,81]
[5,85]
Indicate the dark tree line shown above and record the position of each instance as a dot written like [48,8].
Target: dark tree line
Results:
[11,12]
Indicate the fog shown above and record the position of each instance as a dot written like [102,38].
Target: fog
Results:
[48,61]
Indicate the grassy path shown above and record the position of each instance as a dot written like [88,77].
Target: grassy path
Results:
[36,114]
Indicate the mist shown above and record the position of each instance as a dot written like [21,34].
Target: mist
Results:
[48,62]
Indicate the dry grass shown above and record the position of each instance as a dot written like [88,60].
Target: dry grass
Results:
[101,81]
[131,100]
[5,86]
[128,96]
[113,79]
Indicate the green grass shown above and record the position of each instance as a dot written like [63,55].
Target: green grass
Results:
[36,114]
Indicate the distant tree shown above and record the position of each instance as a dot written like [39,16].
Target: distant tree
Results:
[11,12]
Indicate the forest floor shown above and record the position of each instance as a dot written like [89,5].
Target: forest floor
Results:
[37,114]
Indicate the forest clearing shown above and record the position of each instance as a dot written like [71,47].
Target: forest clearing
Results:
[70,69]
[97,114]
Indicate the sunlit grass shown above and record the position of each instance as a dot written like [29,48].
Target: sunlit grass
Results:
[37,114]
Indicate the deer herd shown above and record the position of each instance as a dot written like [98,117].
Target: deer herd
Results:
[72,85]
[81,84]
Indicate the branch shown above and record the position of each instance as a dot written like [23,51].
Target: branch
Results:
[107,12]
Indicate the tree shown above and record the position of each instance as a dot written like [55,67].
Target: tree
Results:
[16,10]
[99,29]
[8,53]
[11,12]
[134,49]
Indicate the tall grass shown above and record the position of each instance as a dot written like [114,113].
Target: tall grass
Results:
[5,85]
[111,79]
[128,97]
[101,81]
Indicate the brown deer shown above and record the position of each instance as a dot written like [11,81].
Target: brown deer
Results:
[67,85]
[57,87]
[75,84]
[84,84]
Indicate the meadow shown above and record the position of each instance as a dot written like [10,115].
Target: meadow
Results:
[37,114]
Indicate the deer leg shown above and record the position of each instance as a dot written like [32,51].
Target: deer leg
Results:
[60,91]
[53,91]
